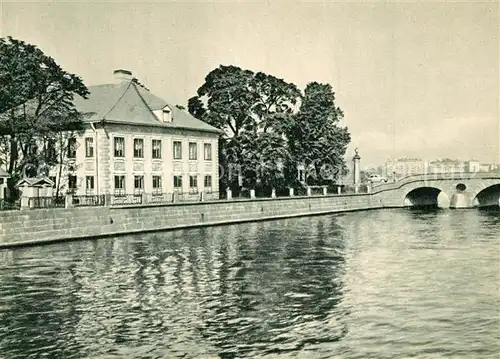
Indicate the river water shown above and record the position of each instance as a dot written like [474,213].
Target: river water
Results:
[376,284]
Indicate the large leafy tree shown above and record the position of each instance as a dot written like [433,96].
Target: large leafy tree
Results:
[36,104]
[317,139]
[255,111]
[267,132]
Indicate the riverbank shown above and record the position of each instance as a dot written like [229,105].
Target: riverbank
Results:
[28,227]
[299,281]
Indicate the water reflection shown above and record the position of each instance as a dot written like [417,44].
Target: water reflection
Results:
[313,287]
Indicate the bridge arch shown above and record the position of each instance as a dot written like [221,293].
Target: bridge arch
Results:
[460,190]
[488,196]
[426,196]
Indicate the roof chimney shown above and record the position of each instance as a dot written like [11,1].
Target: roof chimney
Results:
[122,75]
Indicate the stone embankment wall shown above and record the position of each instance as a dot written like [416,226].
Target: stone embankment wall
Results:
[48,225]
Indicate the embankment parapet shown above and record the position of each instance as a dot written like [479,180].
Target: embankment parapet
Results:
[48,225]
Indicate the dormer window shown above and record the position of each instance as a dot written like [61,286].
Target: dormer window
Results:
[164,114]
[167,114]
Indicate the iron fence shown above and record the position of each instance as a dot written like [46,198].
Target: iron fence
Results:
[316,191]
[126,199]
[263,193]
[46,202]
[282,192]
[159,198]
[6,205]
[244,193]
[187,197]
[350,189]
[120,199]
[300,191]
[89,200]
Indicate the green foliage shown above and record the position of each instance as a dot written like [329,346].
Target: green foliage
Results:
[317,140]
[36,104]
[266,132]
[237,100]
[255,111]
[195,108]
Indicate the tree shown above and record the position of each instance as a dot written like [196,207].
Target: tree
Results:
[255,111]
[266,133]
[36,102]
[196,108]
[317,139]
[65,144]
[228,99]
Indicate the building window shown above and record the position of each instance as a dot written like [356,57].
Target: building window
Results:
[177,150]
[119,185]
[138,148]
[157,185]
[138,184]
[119,147]
[208,151]
[193,151]
[89,184]
[1,180]
[72,148]
[156,148]
[167,115]
[208,183]
[72,183]
[177,182]
[89,147]
[193,184]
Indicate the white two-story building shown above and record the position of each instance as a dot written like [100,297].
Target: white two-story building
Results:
[134,142]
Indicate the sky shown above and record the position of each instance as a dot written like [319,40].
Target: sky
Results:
[413,79]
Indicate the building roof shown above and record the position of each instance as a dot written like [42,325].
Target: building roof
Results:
[4,173]
[35,181]
[130,103]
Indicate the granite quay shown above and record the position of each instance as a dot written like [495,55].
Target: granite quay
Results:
[107,217]
[43,220]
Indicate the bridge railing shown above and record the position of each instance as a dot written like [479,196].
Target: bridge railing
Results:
[434,177]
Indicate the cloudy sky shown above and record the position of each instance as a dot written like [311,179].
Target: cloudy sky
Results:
[414,79]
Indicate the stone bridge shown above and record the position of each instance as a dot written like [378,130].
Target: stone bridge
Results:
[446,190]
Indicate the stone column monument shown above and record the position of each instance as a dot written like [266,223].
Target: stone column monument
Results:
[356,169]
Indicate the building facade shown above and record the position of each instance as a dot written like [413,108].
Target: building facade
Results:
[135,142]
[403,167]
[448,166]
[473,166]
[488,167]
[410,166]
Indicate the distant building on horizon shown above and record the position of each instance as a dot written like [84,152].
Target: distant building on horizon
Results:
[447,165]
[405,166]
[474,166]
[458,166]
[488,167]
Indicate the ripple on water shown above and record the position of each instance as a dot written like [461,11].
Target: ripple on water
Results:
[386,284]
